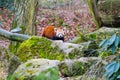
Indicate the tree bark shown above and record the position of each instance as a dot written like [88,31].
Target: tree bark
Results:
[25,16]
[93,8]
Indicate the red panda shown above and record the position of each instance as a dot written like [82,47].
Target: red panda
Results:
[53,33]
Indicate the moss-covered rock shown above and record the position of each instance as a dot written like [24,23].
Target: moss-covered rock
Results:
[97,35]
[13,63]
[70,49]
[78,68]
[10,62]
[37,69]
[109,12]
[36,47]
[94,39]
[40,47]
[70,68]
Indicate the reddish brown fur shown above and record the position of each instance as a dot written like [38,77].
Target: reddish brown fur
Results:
[49,32]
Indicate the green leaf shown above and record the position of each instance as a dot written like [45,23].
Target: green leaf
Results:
[116,67]
[119,41]
[118,76]
[113,49]
[112,68]
[116,41]
[112,78]
[109,65]
[110,74]
[112,39]
[103,42]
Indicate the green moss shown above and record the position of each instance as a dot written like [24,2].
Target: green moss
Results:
[77,68]
[36,47]
[70,46]
[105,54]
[64,69]
[75,53]
[92,36]
[29,64]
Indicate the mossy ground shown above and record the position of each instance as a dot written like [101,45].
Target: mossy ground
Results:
[36,47]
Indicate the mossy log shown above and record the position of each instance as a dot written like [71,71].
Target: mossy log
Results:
[13,36]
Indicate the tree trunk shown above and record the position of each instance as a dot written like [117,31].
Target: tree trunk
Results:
[93,8]
[24,18]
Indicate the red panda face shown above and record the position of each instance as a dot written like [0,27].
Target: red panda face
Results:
[59,32]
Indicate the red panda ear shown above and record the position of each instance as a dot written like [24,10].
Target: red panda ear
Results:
[64,29]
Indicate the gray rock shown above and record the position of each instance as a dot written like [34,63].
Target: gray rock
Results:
[34,67]
[73,67]
[67,47]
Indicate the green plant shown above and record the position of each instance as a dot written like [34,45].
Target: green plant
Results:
[110,44]
[108,47]
[113,70]
[105,54]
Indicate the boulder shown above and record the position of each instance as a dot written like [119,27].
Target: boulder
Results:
[97,35]
[31,69]
[109,12]
[76,67]
[70,49]
[39,47]
[37,69]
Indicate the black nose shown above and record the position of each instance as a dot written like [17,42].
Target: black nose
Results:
[60,36]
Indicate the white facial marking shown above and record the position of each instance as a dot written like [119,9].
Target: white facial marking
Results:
[60,34]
